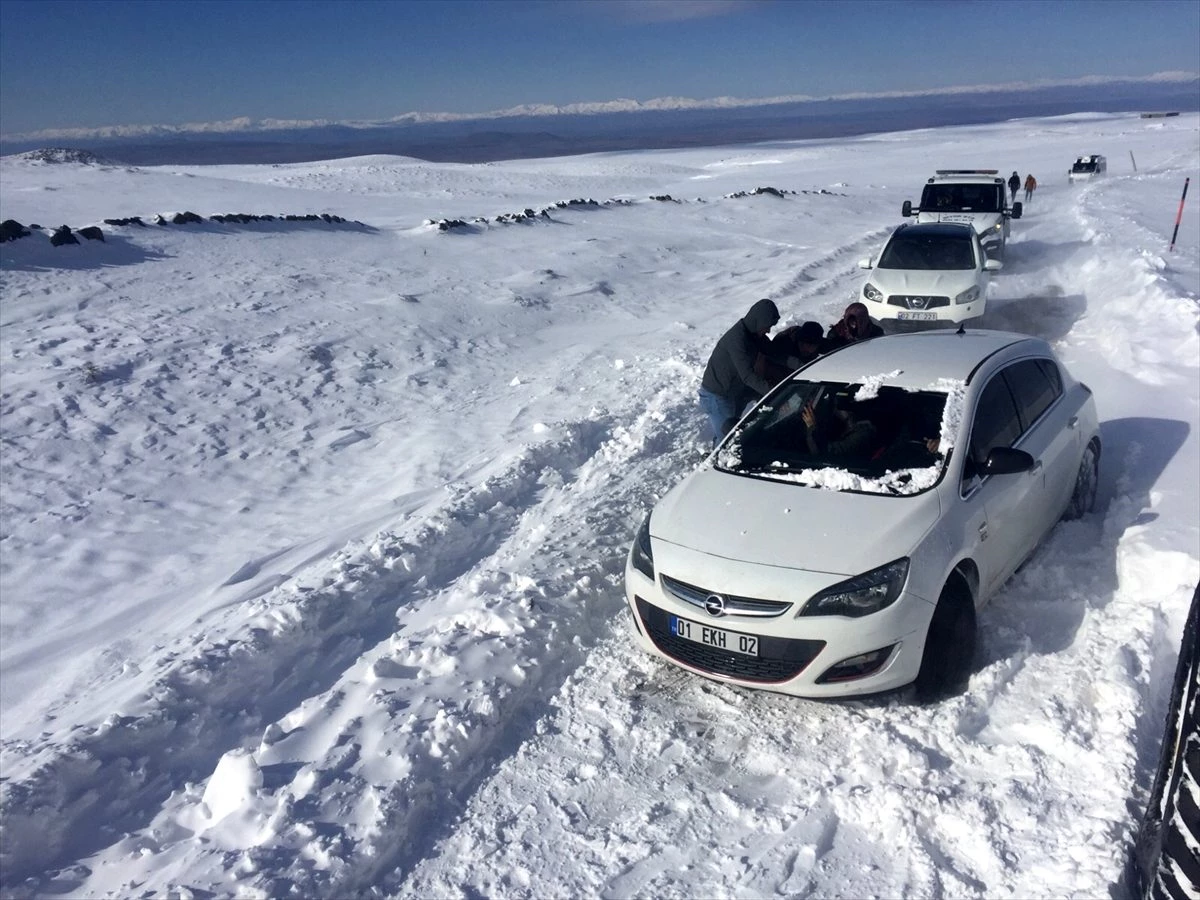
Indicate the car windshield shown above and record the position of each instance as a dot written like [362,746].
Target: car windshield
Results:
[909,250]
[1084,165]
[847,437]
[962,198]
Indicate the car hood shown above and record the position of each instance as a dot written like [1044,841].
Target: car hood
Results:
[923,281]
[789,525]
[981,221]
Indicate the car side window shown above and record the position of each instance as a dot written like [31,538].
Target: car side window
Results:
[1051,372]
[1033,389]
[996,424]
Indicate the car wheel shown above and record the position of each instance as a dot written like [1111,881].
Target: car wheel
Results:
[949,646]
[1083,496]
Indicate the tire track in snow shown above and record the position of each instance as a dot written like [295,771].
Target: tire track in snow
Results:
[64,802]
[823,275]
[344,796]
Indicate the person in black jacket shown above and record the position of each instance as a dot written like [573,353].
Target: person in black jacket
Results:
[1014,184]
[730,380]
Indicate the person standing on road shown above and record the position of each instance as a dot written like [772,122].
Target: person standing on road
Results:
[730,380]
[1014,184]
[1030,187]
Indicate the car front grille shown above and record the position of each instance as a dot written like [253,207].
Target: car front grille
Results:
[779,659]
[917,302]
[733,606]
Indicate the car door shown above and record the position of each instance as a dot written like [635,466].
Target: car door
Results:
[996,507]
[1048,434]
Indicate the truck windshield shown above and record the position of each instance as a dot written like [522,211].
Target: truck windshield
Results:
[1084,165]
[962,198]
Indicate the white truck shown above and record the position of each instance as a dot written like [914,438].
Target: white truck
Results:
[975,197]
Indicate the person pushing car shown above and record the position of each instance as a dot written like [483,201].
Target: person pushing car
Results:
[730,380]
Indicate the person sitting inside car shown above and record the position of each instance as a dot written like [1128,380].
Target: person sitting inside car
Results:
[855,325]
[843,434]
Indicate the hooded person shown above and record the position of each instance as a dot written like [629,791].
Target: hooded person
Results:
[795,346]
[1014,184]
[730,380]
[855,325]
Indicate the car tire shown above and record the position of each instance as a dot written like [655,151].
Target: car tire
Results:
[1087,480]
[949,646]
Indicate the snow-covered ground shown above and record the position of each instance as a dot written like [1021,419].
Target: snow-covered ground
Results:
[313,534]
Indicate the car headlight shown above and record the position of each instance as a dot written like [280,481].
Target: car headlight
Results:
[872,293]
[970,295]
[861,596]
[643,556]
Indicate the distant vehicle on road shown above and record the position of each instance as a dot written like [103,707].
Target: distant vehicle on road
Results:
[929,273]
[1086,168]
[975,197]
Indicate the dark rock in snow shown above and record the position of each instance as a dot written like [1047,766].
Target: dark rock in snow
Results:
[92,233]
[11,229]
[62,235]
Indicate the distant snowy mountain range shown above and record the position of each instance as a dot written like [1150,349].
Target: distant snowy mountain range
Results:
[535,130]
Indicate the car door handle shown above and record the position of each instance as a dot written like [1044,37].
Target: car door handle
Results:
[1073,421]
[983,531]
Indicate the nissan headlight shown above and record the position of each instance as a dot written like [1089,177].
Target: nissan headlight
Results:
[970,295]
[872,293]
[643,556]
[860,596]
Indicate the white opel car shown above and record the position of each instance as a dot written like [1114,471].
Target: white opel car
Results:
[975,197]
[841,538]
[929,273]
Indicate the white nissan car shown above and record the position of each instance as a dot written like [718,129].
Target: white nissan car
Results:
[929,273]
[841,538]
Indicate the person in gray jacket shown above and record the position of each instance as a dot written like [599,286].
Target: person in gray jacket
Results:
[730,380]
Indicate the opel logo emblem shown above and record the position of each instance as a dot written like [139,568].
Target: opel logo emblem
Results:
[714,605]
[918,302]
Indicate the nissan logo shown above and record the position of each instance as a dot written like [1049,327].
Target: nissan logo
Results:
[918,302]
[714,605]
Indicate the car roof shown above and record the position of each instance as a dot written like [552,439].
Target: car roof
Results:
[922,358]
[974,176]
[937,229]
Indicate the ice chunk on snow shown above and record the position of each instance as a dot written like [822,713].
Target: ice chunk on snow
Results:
[233,784]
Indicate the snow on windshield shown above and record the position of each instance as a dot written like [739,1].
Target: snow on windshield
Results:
[888,471]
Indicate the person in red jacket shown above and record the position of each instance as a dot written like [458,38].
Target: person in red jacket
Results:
[855,325]
[1030,187]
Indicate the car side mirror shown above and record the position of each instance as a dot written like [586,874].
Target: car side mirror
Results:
[993,265]
[865,263]
[1016,210]
[906,209]
[1006,461]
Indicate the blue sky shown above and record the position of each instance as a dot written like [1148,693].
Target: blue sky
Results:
[70,64]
